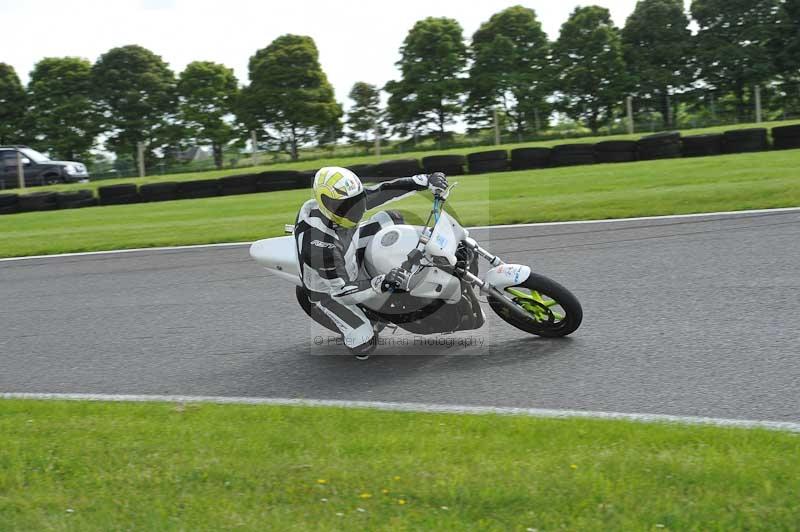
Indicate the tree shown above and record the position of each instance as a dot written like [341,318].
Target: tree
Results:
[135,94]
[62,113]
[656,44]
[12,106]
[433,57]
[589,66]
[208,92]
[734,44]
[510,69]
[365,115]
[289,100]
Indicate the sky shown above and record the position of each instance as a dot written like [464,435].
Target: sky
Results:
[358,40]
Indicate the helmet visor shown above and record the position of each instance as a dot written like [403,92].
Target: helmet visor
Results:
[350,208]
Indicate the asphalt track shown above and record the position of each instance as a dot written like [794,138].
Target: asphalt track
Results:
[683,316]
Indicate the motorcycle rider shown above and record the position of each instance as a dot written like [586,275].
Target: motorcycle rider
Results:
[331,243]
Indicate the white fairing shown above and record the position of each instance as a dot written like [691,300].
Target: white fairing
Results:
[507,275]
[279,256]
[445,238]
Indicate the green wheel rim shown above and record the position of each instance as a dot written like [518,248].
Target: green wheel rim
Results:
[540,307]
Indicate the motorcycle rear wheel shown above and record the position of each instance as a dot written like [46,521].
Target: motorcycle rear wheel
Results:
[554,311]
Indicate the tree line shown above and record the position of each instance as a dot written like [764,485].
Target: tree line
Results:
[508,72]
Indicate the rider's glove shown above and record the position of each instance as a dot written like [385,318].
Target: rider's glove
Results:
[437,183]
[397,279]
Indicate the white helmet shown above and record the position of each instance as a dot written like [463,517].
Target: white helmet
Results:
[340,195]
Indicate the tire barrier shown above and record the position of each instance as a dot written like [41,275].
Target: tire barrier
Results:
[388,170]
[786,137]
[745,140]
[122,194]
[238,184]
[76,199]
[9,203]
[202,188]
[305,179]
[572,155]
[38,201]
[701,145]
[659,146]
[530,158]
[276,180]
[483,162]
[447,164]
[166,191]
[616,151]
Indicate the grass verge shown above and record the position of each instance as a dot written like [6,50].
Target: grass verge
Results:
[677,186]
[335,160]
[115,466]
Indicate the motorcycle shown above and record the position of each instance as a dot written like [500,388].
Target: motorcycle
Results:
[442,259]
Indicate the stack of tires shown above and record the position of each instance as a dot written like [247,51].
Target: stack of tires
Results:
[488,161]
[701,145]
[786,137]
[76,199]
[305,179]
[388,170]
[615,151]
[528,158]
[572,154]
[277,180]
[121,194]
[447,164]
[201,188]
[9,203]
[745,140]
[38,201]
[237,184]
[365,172]
[167,191]
[659,146]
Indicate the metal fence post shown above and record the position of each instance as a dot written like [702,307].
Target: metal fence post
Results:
[629,110]
[758,104]
[496,127]
[254,148]
[140,157]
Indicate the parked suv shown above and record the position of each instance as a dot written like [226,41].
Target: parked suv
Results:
[38,169]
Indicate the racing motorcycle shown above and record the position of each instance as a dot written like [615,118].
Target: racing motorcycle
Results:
[443,261]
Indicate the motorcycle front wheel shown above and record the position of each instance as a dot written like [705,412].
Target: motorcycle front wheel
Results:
[552,309]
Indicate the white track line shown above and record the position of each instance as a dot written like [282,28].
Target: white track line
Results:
[415,407]
[510,226]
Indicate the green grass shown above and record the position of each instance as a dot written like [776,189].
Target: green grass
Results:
[117,466]
[346,161]
[678,186]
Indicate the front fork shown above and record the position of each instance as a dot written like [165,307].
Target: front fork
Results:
[485,287]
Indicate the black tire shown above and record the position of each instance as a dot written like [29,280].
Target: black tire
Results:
[666,151]
[276,180]
[167,191]
[490,155]
[117,191]
[615,146]
[745,140]
[566,300]
[701,145]
[78,204]
[572,154]
[12,209]
[238,184]
[9,200]
[313,312]
[786,132]
[201,188]
[786,143]
[616,157]
[68,198]
[528,158]
[447,164]
[52,179]
[305,179]
[484,167]
[38,201]
[393,169]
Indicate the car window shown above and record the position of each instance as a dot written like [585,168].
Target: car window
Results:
[34,155]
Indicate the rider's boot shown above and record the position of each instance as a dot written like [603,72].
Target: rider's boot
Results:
[363,351]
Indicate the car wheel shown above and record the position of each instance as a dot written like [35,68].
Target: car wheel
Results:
[53,179]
